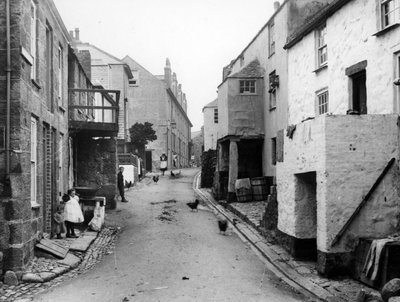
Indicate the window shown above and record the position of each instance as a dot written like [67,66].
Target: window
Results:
[60,166]
[273,151]
[60,74]
[322,50]
[247,86]
[33,39]
[390,10]
[273,85]
[134,81]
[271,38]
[216,116]
[33,161]
[322,102]
[49,67]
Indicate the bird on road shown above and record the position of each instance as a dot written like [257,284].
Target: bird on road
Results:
[156,178]
[193,205]
[222,225]
[172,173]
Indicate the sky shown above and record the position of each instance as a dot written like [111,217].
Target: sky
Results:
[199,37]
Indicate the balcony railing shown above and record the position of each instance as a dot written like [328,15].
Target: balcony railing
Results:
[94,111]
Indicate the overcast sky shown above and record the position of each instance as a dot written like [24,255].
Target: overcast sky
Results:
[199,37]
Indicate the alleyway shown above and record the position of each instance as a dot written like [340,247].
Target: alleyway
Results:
[165,252]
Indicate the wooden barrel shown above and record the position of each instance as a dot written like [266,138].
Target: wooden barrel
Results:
[243,190]
[259,188]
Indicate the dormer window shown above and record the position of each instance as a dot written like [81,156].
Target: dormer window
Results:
[247,86]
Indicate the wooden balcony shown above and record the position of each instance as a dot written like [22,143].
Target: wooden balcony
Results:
[93,112]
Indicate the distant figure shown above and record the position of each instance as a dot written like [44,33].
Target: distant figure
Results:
[163,163]
[72,213]
[174,159]
[121,184]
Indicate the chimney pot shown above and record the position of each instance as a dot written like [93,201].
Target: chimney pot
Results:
[77,34]
[276,5]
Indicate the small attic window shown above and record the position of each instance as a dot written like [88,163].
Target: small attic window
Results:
[247,86]
[135,79]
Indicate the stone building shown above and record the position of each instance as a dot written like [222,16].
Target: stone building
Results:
[336,184]
[160,100]
[110,73]
[210,131]
[33,125]
[46,115]
[252,99]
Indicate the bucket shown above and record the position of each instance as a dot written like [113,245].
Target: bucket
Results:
[243,190]
[259,187]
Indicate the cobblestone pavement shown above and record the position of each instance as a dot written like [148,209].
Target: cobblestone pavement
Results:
[246,220]
[102,245]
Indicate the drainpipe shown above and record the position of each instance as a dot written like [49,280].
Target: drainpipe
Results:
[8,90]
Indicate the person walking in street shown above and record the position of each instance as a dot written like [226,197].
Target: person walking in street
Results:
[72,213]
[163,163]
[121,184]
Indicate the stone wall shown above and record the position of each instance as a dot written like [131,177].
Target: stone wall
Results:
[211,134]
[23,218]
[344,154]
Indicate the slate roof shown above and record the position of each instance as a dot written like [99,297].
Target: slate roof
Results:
[314,21]
[252,70]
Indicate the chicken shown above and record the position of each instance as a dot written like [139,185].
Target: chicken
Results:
[172,173]
[178,173]
[155,178]
[193,205]
[128,184]
[222,225]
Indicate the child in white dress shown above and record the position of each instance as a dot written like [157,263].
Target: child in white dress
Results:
[72,213]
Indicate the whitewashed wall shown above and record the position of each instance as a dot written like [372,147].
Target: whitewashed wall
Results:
[210,128]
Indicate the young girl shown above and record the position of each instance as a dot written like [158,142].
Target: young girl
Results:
[59,226]
[72,213]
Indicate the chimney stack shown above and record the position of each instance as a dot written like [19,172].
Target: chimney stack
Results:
[77,34]
[71,33]
[276,5]
[167,73]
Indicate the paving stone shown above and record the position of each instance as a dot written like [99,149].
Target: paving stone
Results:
[30,277]
[303,270]
[70,260]
[46,276]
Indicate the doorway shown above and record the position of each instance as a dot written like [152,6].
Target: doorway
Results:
[149,161]
[359,89]
[306,215]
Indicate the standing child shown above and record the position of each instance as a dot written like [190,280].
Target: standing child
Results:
[59,226]
[72,213]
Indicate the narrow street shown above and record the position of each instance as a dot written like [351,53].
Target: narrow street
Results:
[166,252]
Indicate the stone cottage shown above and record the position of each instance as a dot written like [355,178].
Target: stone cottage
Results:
[160,100]
[337,182]
[252,100]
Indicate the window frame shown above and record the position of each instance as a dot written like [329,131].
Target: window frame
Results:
[60,74]
[33,39]
[321,48]
[34,161]
[320,94]
[397,76]
[271,39]
[395,11]
[246,87]
[215,115]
